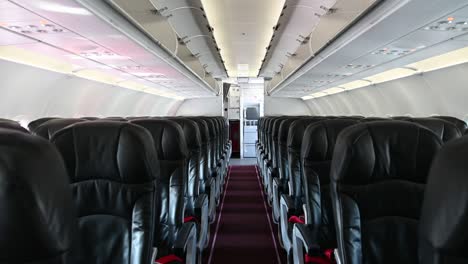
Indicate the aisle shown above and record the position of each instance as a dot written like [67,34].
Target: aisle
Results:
[244,232]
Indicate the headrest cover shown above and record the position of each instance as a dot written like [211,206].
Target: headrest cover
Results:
[108,150]
[320,138]
[37,219]
[458,122]
[444,218]
[168,137]
[13,126]
[49,128]
[191,132]
[445,130]
[371,152]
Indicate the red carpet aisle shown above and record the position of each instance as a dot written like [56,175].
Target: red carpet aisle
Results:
[245,233]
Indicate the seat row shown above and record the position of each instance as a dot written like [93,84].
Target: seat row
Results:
[111,190]
[351,189]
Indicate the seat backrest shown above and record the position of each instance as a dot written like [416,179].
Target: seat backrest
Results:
[172,153]
[295,136]
[36,123]
[444,217]
[458,122]
[38,219]
[283,135]
[378,175]
[112,167]
[49,128]
[275,141]
[213,140]
[205,157]
[316,154]
[445,130]
[13,126]
[194,167]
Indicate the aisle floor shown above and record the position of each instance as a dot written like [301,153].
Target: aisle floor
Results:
[244,232]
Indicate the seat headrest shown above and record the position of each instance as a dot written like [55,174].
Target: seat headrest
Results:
[168,137]
[276,127]
[296,132]
[319,138]
[371,152]
[13,126]
[204,130]
[444,218]
[283,132]
[458,122]
[37,219]
[36,123]
[49,128]
[373,119]
[445,130]
[191,132]
[108,150]
[211,127]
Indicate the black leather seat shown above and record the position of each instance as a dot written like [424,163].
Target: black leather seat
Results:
[280,184]
[214,168]
[38,219]
[273,170]
[378,176]
[196,202]
[13,126]
[263,146]
[171,230]
[316,231]
[373,119]
[444,219]
[207,183]
[36,123]
[114,118]
[462,126]
[112,168]
[445,130]
[291,203]
[49,128]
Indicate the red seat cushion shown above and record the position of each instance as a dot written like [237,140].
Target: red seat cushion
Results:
[169,259]
[296,219]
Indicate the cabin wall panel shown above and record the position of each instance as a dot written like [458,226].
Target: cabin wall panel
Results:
[441,92]
[28,93]
[275,106]
[211,106]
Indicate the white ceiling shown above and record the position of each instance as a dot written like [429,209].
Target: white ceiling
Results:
[243,29]
[64,30]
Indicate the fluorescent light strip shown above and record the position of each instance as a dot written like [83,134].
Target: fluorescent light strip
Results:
[26,57]
[449,59]
[216,19]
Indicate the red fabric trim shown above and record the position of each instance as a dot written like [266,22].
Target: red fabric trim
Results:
[296,219]
[327,258]
[169,259]
[190,219]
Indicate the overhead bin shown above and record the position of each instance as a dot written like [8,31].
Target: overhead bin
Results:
[296,23]
[189,21]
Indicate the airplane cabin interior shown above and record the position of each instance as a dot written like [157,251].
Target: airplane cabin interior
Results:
[233,131]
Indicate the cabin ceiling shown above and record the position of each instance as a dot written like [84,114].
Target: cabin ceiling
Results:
[88,46]
[395,34]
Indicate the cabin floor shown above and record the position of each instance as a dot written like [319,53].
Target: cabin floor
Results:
[244,231]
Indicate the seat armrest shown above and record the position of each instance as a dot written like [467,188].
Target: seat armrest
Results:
[303,239]
[287,202]
[200,204]
[203,214]
[185,245]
